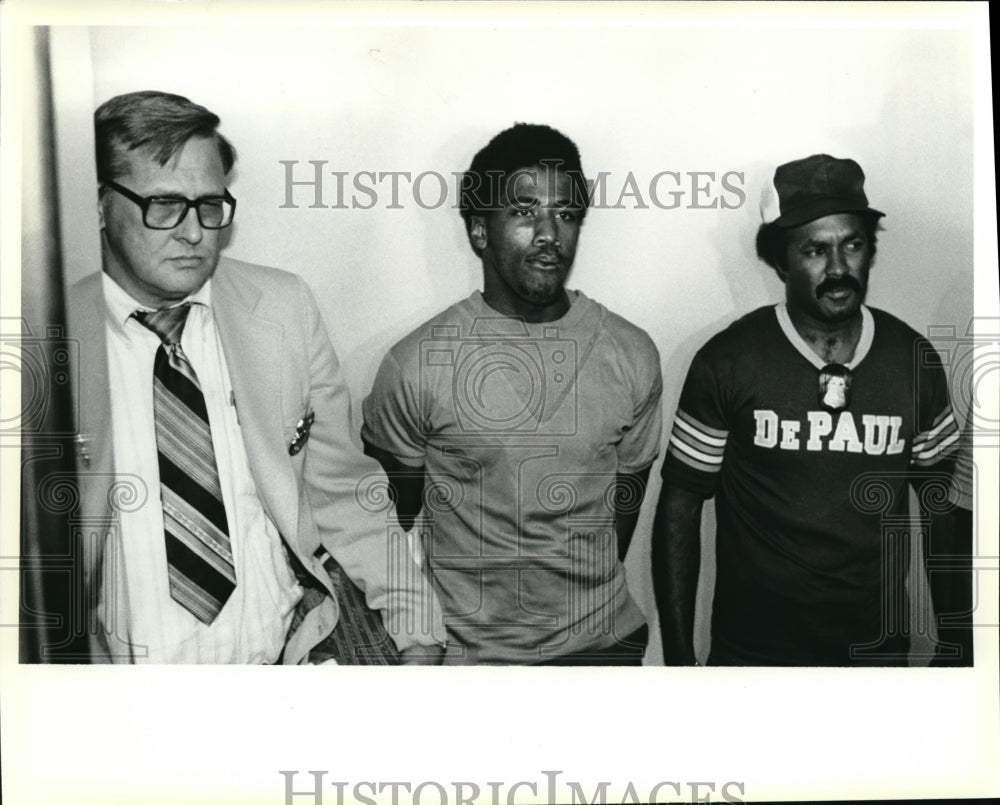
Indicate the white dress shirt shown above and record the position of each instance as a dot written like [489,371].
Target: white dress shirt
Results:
[252,626]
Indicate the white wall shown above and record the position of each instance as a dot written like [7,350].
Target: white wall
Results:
[642,99]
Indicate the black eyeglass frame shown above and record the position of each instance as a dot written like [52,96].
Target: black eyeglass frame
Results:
[144,203]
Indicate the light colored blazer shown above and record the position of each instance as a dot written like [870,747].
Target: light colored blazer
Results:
[282,367]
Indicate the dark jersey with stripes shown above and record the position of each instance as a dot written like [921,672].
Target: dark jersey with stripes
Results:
[811,502]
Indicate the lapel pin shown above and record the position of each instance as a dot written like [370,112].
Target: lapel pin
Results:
[82,449]
[301,433]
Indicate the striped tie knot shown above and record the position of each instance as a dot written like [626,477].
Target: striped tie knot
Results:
[168,323]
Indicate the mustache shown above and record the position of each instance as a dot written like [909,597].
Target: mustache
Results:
[836,283]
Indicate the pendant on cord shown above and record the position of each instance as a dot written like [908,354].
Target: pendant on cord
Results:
[835,387]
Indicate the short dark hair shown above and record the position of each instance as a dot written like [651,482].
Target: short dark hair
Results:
[155,120]
[522,146]
[772,241]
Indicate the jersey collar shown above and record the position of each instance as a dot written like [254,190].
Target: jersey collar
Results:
[797,341]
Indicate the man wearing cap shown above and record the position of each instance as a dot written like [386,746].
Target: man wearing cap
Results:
[806,421]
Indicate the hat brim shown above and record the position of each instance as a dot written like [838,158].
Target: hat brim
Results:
[820,209]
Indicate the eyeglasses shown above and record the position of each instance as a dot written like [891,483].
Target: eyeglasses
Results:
[167,212]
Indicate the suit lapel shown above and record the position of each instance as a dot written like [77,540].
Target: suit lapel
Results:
[253,346]
[98,518]
[86,315]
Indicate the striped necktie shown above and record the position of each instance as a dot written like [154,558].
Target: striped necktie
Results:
[199,554]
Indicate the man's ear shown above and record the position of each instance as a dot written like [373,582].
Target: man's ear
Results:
[477,232]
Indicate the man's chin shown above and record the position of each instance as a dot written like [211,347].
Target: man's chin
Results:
[545,293]
[544,299]
[190,274]
[181,285]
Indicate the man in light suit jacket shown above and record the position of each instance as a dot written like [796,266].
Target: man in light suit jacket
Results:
[218,472]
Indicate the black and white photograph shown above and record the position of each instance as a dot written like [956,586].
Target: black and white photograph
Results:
[502,339]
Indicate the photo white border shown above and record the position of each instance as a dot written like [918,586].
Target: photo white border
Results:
[104,735]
